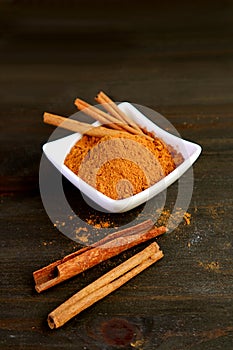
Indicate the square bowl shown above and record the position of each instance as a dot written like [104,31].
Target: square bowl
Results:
[56,151]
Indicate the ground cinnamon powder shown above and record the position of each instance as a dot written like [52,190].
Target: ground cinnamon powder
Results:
[121,166]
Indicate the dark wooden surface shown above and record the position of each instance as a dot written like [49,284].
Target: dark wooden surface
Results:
[174,57]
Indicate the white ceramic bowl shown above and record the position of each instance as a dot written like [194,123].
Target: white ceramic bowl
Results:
[56,152]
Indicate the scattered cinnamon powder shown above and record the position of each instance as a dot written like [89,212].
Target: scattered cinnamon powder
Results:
[212,266]
[97,223]
[121,166]
[170,219]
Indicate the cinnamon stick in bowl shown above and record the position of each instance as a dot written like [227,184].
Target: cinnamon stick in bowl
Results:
[106,118]
[113,109]
[80,127]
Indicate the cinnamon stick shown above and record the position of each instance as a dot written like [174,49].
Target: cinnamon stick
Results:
[80,127]
[78,262]
[47,273]
[113,109]
[106,118]
[97,114]
[104,285]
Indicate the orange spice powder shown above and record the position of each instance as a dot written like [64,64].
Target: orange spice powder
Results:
[122,166]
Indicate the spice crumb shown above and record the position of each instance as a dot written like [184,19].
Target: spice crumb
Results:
[80,229]
[187,218]
[47,243]
[83,238]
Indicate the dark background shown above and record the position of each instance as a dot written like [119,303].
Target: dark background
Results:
[173,56]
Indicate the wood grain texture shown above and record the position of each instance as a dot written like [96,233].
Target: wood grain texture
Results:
[175,57]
